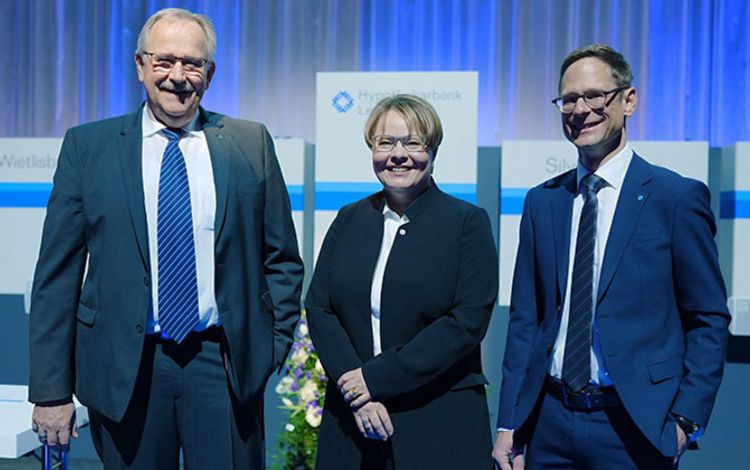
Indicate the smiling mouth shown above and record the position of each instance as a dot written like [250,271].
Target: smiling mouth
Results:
[398,169]
[586,126]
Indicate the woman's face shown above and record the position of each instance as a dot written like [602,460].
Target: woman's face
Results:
[400,157]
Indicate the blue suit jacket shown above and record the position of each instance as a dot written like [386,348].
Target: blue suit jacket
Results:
[87,336]
[661,305]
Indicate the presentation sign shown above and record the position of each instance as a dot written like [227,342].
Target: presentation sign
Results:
[734,233]
[26,169]
[526,164]
[343,169]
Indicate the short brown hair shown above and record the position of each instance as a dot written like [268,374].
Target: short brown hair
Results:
[621,71]
[419,115]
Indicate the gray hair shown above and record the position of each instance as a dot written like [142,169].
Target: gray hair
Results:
[179,14]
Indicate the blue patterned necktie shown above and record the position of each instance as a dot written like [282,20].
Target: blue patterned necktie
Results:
[177,278]
[577,361]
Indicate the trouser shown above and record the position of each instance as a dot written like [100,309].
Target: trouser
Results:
[602,438]
[182,401]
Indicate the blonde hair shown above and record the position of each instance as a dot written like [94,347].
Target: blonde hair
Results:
[419,115]
[179,14]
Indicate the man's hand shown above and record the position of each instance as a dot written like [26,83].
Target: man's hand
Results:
[55,424]
[373,421]
[505,454]
[354,389]
[682,443]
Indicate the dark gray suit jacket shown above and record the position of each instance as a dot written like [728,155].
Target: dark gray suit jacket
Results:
[86,337]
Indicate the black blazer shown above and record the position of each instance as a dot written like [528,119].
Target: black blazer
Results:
[439,289]
[87,337]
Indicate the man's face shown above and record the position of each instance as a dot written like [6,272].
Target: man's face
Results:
[174,93]
[589,128]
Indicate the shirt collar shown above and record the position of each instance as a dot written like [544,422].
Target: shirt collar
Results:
[613,171]
[389,213]
[151,126]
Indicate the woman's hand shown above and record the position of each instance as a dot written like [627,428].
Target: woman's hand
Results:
[373,421]
[353,388]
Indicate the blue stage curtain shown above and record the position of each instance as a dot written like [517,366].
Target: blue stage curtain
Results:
[71,61]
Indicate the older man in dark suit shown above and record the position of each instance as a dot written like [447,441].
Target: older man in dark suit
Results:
[180,222]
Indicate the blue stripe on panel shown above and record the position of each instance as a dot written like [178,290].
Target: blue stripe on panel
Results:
[296,196]
[24,194]
[734,205]
[511,200]
[37,195]
[331,196]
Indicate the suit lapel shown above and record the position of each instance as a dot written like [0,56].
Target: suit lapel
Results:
[562,212]
[130,148]
[632,198]
[217,147]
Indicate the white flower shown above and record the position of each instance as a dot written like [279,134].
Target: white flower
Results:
[287,402]
[300,356]
[285,385]
[289,427]
[303,331]
[319,367]
[313,416]
[309,392]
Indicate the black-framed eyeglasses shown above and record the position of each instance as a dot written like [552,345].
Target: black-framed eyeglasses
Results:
[164,63]
[594,99]
[411,143]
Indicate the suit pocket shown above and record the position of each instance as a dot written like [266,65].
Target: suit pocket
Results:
[86,315]
[665,369]
[650,235]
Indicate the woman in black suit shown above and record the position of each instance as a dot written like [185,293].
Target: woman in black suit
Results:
[401,298]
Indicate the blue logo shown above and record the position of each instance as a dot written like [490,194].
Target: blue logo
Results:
[342,102]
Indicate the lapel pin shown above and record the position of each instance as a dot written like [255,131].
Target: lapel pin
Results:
[640,197]
[402,231]
[220,136]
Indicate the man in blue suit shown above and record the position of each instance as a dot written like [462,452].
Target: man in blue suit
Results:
[168,282]
[618,318]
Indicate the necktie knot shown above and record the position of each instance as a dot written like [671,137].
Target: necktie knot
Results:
[592,183]
[172,135]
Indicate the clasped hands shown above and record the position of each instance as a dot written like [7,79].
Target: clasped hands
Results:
[372,417]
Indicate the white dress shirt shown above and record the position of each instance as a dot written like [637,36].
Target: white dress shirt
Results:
[613,173]
[391,224]
[200,175]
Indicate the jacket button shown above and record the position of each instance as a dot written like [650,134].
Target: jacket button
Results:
[138,329]
[145,281]
[402,231]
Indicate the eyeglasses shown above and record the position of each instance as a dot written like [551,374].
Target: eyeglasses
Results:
[594,99]
[411,143]
[164,63]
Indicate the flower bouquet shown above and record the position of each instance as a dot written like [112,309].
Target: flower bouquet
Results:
[302,393]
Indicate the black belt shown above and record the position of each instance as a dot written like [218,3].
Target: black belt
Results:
[588,400]
[212,334]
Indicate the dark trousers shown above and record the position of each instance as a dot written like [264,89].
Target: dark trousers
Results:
[182,401]
[562,438]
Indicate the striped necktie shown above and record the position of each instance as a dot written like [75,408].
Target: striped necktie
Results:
[177,278]
[577,361]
